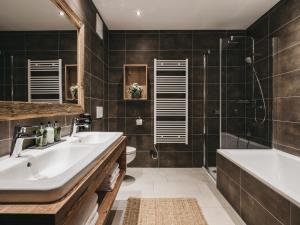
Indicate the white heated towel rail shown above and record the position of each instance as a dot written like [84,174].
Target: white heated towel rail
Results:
[45,81]
[171,101]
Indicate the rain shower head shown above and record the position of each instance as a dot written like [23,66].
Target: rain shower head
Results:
[248,60]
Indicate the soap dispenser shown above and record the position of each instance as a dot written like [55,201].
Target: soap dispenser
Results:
[50,133]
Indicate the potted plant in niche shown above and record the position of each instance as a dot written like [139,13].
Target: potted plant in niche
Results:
[135,90]
[74,91]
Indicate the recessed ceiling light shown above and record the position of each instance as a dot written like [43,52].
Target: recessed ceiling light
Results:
[138,13]
[61,13]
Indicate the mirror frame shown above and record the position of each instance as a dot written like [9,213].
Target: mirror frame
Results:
[25,110]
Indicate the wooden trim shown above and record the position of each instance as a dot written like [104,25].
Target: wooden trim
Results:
[26,110]
[64,6]
[60,212]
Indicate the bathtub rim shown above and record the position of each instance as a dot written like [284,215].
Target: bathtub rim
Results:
[289,196]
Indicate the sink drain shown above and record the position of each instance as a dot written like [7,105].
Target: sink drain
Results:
[29,164]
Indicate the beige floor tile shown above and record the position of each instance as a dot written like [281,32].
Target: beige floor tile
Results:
[172,183]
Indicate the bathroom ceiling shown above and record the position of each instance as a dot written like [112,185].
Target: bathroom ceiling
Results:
[182,15]
[30,15]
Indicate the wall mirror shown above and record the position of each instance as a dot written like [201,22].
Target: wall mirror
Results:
[40,55]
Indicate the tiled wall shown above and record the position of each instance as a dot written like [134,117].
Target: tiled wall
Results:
[278,47]
[255,202]
[142,47]
[96,71]
[35,45]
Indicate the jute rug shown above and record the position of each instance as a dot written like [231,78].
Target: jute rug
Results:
[163,211]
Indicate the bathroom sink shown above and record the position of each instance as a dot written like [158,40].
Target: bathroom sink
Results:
[94,138]
[48,175]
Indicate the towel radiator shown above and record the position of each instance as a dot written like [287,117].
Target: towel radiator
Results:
[45,81]
[170,101]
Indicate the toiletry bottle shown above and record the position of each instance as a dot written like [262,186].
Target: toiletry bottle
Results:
[39,137]
[44,134]
[50,134]
[57,131]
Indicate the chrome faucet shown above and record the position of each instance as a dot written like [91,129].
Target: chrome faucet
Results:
[81,123]
[20,135]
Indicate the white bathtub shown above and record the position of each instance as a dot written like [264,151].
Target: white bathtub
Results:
[276,169]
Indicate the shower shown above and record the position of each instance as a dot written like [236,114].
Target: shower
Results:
[250,60]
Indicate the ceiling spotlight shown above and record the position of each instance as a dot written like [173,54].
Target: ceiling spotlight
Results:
[61,13]
[138,13]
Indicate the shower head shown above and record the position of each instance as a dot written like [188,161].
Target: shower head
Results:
[248,60]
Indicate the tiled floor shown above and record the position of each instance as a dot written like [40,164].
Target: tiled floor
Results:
[170,182]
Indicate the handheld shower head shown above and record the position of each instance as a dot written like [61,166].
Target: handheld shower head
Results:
[248,60]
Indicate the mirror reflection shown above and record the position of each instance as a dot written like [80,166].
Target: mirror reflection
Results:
[38,53]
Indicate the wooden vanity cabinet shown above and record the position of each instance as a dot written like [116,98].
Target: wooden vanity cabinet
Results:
[61,212]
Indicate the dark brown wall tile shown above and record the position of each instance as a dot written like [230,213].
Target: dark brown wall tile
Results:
[141,57]
[253,213]
[269,199]
[142,41]
[287,134]
[116,58]
[4,147]
[229,188]
[207,40]
[287,85]
[139,109]
[4,128]
[176,41]
[141,142]
[116,41]
[229,168]
[176,159]
[116,124]
[116,109]
[295,214]
[132,128]
[283,13]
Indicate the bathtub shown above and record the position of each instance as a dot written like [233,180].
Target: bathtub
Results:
[269,176]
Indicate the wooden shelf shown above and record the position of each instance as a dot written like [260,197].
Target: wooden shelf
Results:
[70,79]
[135,73]
[107,199]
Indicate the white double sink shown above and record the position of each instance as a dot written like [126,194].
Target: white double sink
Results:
[48,175]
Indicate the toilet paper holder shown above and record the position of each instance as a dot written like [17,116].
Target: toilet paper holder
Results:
[139,121]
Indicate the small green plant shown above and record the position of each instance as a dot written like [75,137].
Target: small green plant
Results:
[135,90]
[74,91]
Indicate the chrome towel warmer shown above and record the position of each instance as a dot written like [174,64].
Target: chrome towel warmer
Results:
[45,81]
[171,101]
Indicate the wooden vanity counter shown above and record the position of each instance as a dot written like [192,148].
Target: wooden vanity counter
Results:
[60,212]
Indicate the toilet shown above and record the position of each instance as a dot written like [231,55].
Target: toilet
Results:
[130,154]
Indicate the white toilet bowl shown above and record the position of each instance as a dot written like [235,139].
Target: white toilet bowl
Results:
[130,154]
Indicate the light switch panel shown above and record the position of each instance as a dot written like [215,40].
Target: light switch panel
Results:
[99,112]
